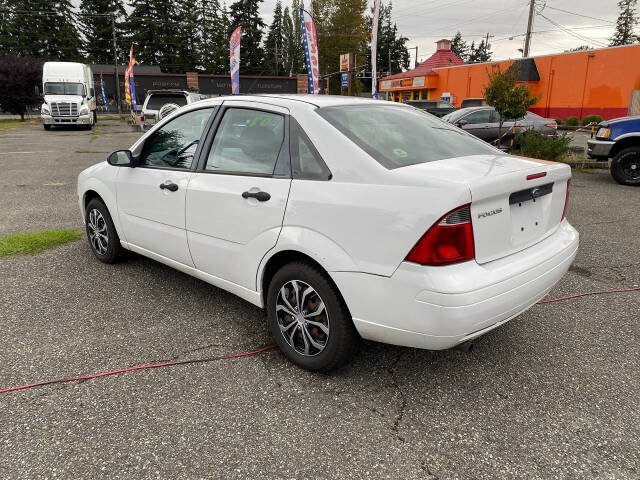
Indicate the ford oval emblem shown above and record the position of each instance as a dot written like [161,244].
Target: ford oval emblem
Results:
[536,192]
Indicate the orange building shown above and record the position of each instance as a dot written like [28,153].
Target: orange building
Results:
[570,84]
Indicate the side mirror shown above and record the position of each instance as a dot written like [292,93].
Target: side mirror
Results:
[461,123]
[92,92]
[121,158]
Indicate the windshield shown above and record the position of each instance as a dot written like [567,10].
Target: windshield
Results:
[63,88]
[398,136]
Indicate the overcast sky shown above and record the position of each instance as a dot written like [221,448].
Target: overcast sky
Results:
[425,21]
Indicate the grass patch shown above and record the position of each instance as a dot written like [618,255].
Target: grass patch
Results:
[7,123]
[29,243]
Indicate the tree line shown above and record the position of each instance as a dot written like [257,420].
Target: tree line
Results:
[193,35]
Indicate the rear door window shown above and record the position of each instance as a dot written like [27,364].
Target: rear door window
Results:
[479,116]
[247,141]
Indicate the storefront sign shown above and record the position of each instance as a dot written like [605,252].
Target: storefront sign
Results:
[402,83]
[345,62]
[344,80]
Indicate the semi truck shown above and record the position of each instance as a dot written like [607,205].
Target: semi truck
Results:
[69,95]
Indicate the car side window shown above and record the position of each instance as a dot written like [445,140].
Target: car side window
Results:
[174,145]
[495,117]
[306,162]
[479,116]
[246,141]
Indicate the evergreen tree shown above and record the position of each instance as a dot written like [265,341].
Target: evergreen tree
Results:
[188,35]
[245,13]
[625,26]
[460,47]
[480,54]
[393,55]
[97,30]
[273,45]
[48,34]
[214,44]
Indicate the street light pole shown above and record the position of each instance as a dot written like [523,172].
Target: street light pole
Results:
[115,62]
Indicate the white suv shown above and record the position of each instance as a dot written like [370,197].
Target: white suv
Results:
[160,103]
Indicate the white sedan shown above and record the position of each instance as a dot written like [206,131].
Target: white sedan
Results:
[344,218]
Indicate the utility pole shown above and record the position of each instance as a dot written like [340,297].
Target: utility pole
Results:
[276,59]
[115,62]
[416,63]
[527,38]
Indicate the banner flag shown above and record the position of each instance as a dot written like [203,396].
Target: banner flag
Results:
[104,95]
[310,38]
[374,49]
[234,60]
[132,83]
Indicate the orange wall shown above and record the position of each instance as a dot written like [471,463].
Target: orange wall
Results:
[570,84]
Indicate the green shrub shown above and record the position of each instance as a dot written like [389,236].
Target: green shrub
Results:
[558,121]
[572,121]
[591,118]
[533,144]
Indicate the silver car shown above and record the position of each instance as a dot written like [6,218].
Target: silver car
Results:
[160,103]
[484,123]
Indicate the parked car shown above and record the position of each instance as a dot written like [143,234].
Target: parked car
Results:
[473,102]
[439,108]
[484,123]
[618,139]
[343,217]
[160,103]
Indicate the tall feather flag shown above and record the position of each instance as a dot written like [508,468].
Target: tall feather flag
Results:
[129,82]
[104,95]
[234,60]
[374,48]
[310,38]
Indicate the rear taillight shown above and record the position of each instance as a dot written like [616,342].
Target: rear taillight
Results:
[552,125]
[142,118]
[566,200]
[449,240]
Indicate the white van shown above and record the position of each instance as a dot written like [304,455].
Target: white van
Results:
[69,95]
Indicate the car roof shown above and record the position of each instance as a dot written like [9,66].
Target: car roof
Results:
[299,99]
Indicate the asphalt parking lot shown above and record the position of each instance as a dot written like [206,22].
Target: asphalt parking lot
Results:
[552,394]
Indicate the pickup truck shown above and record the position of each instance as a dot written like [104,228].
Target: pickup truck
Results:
[618,139]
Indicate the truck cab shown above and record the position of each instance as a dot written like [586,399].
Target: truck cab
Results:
[69,95]
[618,139]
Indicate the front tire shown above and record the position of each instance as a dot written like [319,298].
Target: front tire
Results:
[308,318]
[625,166]
[46,127]
[101,232]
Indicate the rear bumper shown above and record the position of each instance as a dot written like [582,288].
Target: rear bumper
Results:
[599,148]
[439,307]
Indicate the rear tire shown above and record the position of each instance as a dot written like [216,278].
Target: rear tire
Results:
[329,338]
[625,166]
[101,233]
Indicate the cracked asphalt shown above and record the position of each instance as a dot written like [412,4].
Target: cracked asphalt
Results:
[552,394]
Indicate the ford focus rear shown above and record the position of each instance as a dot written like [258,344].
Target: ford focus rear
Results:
[342,218]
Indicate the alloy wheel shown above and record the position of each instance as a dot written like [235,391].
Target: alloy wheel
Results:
[631,167]
[98,232]
[302,318]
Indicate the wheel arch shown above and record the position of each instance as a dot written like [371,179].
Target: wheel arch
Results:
[94,188]
[631,141]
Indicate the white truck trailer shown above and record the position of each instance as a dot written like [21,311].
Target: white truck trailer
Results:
[69,95]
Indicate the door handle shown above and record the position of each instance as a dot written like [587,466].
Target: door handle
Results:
[172,187]
[260,196]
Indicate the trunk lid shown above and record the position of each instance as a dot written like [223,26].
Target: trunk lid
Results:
[515,202]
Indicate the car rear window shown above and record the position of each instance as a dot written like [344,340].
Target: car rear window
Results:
[157,100]
[398,136]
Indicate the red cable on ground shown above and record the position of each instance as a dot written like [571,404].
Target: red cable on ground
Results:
[248,354]
[578,295]
[140,367]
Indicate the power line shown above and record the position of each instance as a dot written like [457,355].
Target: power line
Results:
[577,14]
[570,32]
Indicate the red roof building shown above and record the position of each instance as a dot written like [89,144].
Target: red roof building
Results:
[411,84]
